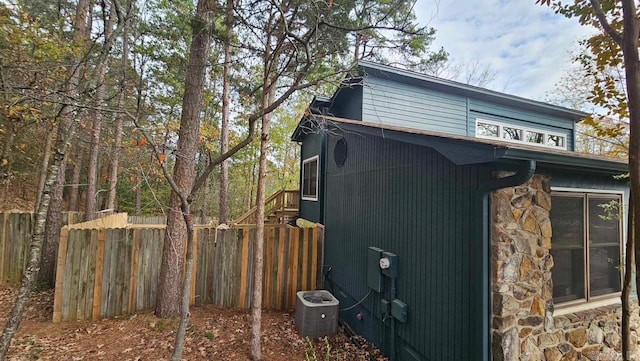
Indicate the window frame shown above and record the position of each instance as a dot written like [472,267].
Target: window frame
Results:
[523,131]
[306,161]
[586,195]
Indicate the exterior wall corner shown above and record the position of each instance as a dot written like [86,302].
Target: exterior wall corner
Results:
[523,325]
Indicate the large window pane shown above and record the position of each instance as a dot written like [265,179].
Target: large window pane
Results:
[604,245]
[604,220]
[567,248]
[567,218]
[568,274]
[604,265]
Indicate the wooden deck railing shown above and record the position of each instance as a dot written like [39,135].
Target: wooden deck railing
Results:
[282,204]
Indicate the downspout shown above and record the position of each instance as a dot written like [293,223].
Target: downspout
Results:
[322,186]
[394,337]
[526,170]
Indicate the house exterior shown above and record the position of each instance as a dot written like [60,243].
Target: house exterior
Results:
[460,224]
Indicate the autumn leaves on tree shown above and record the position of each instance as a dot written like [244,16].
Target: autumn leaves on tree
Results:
[154,107]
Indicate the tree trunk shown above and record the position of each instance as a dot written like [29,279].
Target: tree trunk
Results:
[139,196]
[223,216]
[45,163]
[172,267]
[632,73]
[74,189]
[629,260]
[30,274]
[186,290]
[256,306]
[53,223]
[117,142]
[92,170]
[66,131]
[96,115]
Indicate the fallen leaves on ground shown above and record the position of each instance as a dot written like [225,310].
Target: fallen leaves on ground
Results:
[215,333]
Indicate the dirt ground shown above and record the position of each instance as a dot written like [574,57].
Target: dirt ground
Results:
[215,333]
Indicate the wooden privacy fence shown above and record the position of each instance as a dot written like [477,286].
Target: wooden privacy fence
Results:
[109,272]
[15,241]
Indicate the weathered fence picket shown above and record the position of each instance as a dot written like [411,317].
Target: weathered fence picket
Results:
[15,241]
[111,272]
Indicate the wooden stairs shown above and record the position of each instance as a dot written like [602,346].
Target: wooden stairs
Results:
[282,207]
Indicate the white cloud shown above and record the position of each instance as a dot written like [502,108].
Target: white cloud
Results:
[526,44]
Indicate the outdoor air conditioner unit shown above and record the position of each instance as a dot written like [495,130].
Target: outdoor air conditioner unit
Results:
[316,313]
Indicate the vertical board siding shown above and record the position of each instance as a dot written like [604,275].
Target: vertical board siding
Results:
[413,202]
[312,146]
[114,272]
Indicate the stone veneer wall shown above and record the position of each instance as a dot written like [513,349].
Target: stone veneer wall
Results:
[524,327]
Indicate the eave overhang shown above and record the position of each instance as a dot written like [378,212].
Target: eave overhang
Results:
[463,150]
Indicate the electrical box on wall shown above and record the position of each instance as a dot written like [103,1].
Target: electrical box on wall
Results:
[374,274]
[399,310]
[389,264]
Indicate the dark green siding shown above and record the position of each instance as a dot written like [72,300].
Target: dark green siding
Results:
[312,146]
[411,201]
[582,180]
[347,103]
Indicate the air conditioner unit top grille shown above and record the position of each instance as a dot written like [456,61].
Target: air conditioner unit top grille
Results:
[317,298]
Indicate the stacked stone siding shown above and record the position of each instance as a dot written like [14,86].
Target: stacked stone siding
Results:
[524,327]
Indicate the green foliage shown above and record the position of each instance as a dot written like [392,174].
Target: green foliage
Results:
[32,347]
[312,353]
[317,47]
[600,81]
[610,211]
[32,58]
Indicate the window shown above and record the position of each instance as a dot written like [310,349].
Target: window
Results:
[488,130]
[512,133]
[535,137]
[555,140]
[310,179]
[586,245]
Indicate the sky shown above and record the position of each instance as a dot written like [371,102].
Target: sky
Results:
[527,45]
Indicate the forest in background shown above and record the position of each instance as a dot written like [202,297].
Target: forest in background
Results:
[131,61]
[185,109]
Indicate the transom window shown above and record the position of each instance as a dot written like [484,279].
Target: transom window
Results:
[586,244]
[511,133]
[310,179]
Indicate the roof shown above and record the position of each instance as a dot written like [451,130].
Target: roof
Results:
[410,77]
[466,150]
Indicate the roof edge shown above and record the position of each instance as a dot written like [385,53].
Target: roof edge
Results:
[475,91]
[500,150]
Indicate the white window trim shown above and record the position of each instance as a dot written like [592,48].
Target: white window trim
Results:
[602,300]
[524,131]
[309,160]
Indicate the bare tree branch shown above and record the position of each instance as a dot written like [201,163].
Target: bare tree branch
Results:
[602,18]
